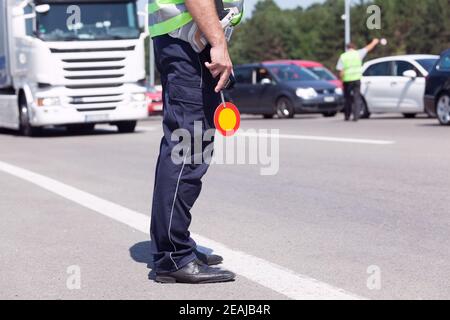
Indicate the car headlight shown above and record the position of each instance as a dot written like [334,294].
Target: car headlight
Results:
[138,97]
[306,93]
[339,91]
[48,102]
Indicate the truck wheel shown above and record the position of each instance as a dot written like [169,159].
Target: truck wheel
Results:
[25,128]
[126,126]
[285,109]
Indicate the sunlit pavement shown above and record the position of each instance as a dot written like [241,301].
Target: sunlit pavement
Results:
[366,217]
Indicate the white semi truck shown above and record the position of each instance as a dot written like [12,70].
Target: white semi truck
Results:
[71,63]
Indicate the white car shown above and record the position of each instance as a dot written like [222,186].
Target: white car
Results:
[396,84]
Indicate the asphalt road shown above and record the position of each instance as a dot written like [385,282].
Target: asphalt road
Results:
[348,198]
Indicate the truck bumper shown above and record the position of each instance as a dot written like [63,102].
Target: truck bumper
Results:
[58,115]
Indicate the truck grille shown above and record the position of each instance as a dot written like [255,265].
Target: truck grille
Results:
[94,76]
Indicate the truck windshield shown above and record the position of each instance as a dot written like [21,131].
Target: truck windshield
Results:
[88,21]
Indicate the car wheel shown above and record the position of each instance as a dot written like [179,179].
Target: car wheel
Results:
[126,126]
[365,113]
[410,115]
[443,109]
[25,128]
[285,109]
[329,114]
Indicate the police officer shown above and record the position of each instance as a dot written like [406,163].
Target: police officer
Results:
[350,67]
[191,83]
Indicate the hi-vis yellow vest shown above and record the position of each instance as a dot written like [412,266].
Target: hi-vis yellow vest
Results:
[352,66]
[166,16]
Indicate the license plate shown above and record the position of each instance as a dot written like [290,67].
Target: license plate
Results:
[96,117]
[329,99]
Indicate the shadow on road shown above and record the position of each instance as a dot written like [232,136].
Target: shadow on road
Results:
[141,253]
[63,133]
[436,125]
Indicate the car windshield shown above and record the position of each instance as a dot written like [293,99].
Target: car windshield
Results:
[292,73]
[323,73]
[427,64]
[88,21]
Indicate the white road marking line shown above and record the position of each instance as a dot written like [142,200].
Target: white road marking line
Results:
[267,274]
[148,129]
[316,138]
[297,137]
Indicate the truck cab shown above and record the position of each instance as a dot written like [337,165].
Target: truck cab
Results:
[71,63]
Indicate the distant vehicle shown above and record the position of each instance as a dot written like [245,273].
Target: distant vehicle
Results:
[395,84]
[283,90]
[57,73]
[437,92]
[315,67]
[155,103]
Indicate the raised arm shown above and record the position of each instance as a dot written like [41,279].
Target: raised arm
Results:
[372,45]
[205,15]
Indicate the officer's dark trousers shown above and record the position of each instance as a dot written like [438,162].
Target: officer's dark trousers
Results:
[353,99]
[189,97]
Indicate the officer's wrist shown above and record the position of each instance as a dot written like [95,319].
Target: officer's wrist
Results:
[218,41]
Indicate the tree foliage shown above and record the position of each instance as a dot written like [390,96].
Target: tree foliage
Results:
[317,33]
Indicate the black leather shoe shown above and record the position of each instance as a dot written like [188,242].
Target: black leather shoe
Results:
[196,273]
[209,259]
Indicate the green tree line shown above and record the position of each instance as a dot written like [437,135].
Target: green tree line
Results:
[317,33]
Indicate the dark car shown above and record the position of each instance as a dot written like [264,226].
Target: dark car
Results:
[437,91]
[284,90]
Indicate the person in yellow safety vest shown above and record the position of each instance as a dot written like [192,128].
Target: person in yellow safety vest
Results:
[350,68]
[192,77]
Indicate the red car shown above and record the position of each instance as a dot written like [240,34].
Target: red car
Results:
[317,68]
[155,104]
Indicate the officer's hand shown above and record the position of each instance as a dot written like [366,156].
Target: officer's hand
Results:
[220,65]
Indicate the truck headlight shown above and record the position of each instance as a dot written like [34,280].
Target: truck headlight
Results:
[339,91]
[138,97]
[48,102]
[306,93]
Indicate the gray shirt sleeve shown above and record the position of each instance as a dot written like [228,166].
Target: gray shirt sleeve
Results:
[340,65]
[362,53]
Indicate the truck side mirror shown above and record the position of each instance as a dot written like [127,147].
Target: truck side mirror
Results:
[42,8]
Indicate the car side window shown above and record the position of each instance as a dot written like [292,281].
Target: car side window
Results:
[244,75]
[381,69]
[401,66]
[262,74]
[444,63]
